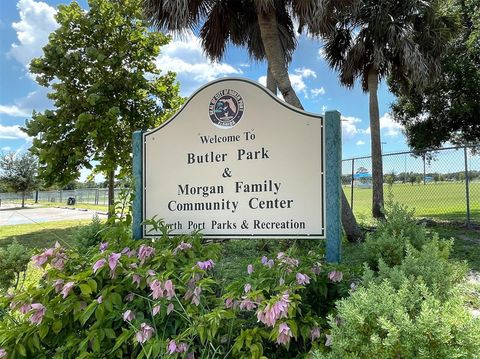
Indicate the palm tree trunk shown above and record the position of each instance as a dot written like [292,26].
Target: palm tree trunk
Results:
[278,68]
[275,56]
[271,83]
[377,164]
[111,194]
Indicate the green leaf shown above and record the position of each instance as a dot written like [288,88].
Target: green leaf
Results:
[93,284]
[43,331]
[85,289]
[88,313]
[57,326]
[20,348]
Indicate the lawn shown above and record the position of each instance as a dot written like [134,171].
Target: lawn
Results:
[41,235]
[441,201]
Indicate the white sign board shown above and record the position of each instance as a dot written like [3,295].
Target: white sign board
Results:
[236,161]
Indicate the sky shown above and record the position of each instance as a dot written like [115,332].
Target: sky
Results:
[26,24]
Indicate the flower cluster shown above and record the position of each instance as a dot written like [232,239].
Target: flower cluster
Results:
[174,347]
[160,289]
[273,312]
[56,256]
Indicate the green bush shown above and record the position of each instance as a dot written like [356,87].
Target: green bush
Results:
[382,322]
[161,298]
[89,235]
[431,264]
[13,261]
[389,241]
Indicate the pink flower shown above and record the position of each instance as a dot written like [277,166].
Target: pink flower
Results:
[3,353]
[270,263]
[25,308]
[247,288]
[335,276]
[284,334]
[38,311]
[58,285]
[317,268]
[271,313]
[169,308]
[206,265]
[264,260]
[58,262]
[103,246]
[129,297]
[100,300]
[250,269]
[67,288]
[156,310]
[145,252]
[173,347]
[302,279]
[229,303]
[247,304]
[39,260]
[113,260]
[196,296]
[144,333]
[329,341]
[136,279]
[157,289]
[170,289]
[182,247]
[128,316]
[98,264]
[151,273]
[314,333]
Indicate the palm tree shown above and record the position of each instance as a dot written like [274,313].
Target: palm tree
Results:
[264,27]
[374,39]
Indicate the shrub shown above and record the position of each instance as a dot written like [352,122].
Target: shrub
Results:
[380,321]
[160,298]
[389,241]
[89,235]
[13,261]
[431,264]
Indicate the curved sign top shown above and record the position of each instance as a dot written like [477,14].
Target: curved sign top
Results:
[236,161]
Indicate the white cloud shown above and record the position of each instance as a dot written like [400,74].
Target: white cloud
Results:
[388,126]
[6,148]
[360,143]
[37,21]
[12,132]
[14,110]
[305,72]
[318,91]
[349,126]
[185,57]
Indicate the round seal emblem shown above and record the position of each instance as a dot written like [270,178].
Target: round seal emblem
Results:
[226,108]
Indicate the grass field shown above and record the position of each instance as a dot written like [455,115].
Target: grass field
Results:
[41,235]
[441,201]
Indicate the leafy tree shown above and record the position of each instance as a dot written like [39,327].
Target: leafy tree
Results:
[448,109]
[13,261]
[265,29]
[19,172]
[374,39]
[101,67]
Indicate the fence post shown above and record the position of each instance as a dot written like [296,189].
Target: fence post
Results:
[467,185]
[353,180]
[137,146]
[424,171]
[36,196]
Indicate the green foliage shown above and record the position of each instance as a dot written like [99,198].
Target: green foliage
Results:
[13,261]
[380,321]
[447,109]
[160,298]
[89,235]
[431,264]
[100,65]
[19,172]
[389,241]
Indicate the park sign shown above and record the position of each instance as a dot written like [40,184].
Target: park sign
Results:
[234,162]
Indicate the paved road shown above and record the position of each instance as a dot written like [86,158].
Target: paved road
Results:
[15,215]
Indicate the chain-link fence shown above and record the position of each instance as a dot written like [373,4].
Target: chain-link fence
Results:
[96,196]
[442,185]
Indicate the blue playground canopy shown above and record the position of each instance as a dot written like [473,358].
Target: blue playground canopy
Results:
[362,175]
